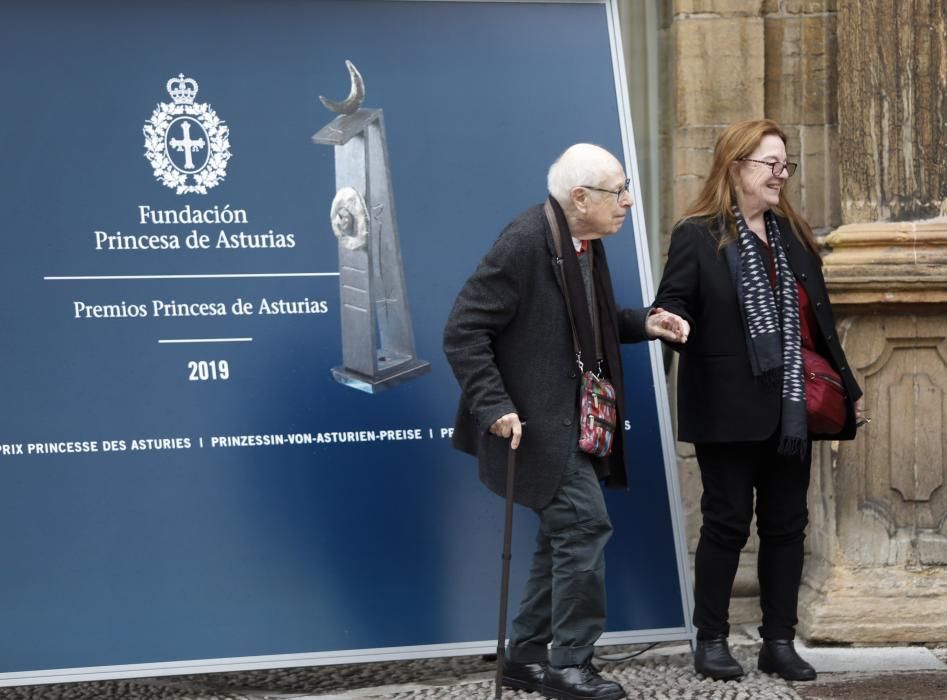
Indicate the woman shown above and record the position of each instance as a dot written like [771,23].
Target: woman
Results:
[744,270]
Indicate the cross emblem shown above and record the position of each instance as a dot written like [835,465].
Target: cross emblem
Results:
[187,145]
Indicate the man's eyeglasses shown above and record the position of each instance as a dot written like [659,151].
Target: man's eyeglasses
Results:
[618,193]
[776,166]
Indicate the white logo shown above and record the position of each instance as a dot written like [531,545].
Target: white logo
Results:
[187,144]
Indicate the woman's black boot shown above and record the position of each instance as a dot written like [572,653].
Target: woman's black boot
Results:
[712,658]
[779,656]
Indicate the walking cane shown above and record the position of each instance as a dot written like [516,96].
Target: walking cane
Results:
[505,575]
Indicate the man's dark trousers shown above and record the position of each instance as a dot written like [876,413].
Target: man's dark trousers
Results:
[564,599]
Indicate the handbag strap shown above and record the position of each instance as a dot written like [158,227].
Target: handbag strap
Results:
[557,242]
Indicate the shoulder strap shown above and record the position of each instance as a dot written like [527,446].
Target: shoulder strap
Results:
[557,242]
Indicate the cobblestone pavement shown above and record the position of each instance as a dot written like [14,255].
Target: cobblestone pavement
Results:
[662,673]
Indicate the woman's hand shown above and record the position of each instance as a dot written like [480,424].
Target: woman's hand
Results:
[667,326]
[861,414]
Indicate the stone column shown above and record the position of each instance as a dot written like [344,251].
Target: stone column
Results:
[892,109]
[878,538]
[800,85]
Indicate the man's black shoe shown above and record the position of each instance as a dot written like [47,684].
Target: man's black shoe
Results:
[581,682]
[712,658]
[779,656]
[523,676]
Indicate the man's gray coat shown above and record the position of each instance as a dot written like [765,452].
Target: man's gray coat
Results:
[509,343]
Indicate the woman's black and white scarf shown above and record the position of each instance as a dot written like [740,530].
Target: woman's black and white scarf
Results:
[771,324]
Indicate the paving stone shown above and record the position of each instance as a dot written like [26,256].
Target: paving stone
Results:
[664,672]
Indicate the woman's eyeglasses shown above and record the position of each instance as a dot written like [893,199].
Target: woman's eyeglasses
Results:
[776,166]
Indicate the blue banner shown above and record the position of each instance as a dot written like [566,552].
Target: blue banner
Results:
[183,476]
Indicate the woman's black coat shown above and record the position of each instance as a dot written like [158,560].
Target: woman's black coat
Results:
[719,400]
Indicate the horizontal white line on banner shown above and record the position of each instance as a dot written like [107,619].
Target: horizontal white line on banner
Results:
[189,277]
[205,340]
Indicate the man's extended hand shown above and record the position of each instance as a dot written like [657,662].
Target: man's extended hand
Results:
[508,425]
[667,326]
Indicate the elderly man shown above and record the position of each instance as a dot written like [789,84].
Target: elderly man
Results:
[510,343]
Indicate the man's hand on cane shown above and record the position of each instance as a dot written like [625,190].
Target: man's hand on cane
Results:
[506,426]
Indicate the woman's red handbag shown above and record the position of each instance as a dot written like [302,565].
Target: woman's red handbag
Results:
[825,395]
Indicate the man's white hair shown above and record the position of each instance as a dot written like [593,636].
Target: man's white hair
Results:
[580,164]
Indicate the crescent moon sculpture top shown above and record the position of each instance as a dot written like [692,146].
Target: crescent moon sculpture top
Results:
[351,103]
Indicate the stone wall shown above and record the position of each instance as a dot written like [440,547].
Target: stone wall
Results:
[748,59]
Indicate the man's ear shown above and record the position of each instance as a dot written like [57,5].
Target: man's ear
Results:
[580,199]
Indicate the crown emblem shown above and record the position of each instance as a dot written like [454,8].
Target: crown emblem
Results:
[187,144]
[182,90]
